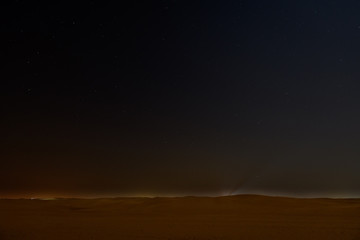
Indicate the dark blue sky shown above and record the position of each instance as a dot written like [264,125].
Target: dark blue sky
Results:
[180,97]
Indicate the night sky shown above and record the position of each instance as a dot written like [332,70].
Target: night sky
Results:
[175,97]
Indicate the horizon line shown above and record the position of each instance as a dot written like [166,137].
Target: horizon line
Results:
[175,196]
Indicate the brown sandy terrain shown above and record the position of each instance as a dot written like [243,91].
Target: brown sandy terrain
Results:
[236,217]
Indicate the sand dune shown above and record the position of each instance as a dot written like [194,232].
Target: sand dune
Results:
[236,217]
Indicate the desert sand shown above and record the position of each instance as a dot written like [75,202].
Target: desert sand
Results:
[235,217]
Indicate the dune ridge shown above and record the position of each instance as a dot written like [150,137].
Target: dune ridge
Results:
[229,217]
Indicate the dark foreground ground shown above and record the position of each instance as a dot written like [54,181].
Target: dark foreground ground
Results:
[236,217]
